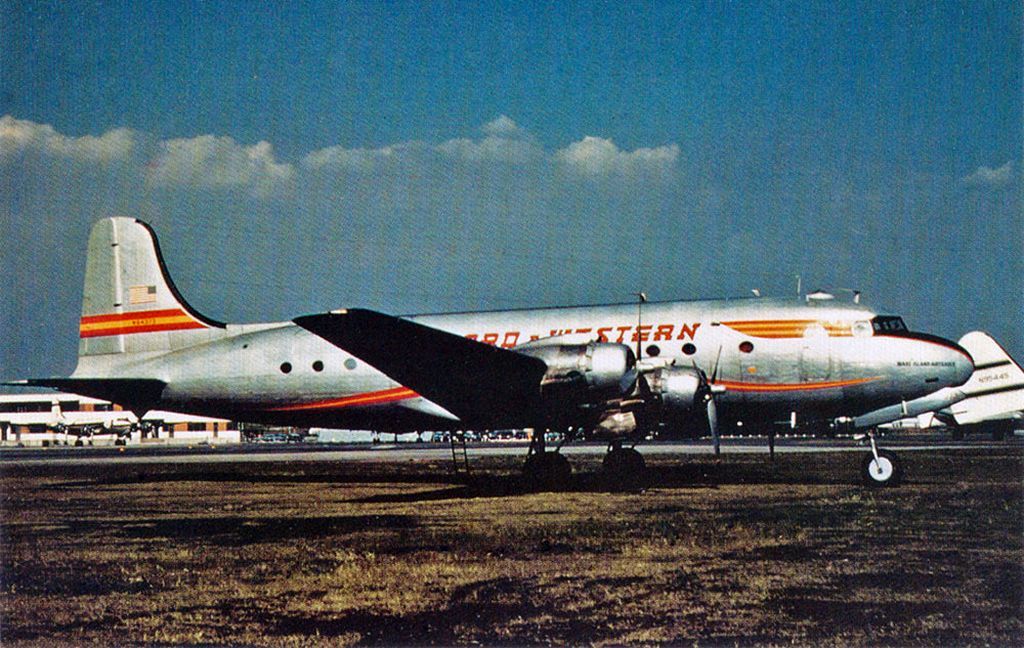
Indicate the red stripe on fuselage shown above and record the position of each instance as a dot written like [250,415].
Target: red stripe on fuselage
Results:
[369,398]
[787,387]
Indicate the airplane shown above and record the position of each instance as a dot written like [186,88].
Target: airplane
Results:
[86,425]
[995,393]
[614,372]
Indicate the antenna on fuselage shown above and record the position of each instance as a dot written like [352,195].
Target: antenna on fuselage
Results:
[641,297]
[799,286]
[853,291]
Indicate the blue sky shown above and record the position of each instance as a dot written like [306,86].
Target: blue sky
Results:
[431,156]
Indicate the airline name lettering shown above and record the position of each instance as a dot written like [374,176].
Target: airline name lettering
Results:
[620,334]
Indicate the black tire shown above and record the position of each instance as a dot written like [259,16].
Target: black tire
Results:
[547,471]
[887,472]
[625,469]
[78,442]
[998,432]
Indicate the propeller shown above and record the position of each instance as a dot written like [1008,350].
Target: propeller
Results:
[712,408]
[709,400]
[641,299]
[713,422]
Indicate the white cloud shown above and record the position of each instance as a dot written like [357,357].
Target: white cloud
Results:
[356,159]
[987,177]
[210,161]
[504,127]
[491,148]
[504,141]
[18,136]
[598,156]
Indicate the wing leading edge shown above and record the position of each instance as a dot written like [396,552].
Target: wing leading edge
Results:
[479,383]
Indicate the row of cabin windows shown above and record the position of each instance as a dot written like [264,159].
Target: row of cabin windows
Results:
[318,366]
[653,351]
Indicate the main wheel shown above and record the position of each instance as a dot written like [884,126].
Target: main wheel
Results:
[625,469]
[884,471]
[547,471]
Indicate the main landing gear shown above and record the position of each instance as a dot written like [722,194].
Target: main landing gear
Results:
[624,468]
[881,467]
[545,470]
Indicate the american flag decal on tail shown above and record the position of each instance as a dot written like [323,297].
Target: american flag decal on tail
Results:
[142,294]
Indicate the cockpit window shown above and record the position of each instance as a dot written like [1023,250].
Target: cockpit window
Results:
[885,324]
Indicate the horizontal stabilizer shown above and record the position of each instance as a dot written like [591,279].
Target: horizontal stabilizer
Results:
[136,394]
[477,382]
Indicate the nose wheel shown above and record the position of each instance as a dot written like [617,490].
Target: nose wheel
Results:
[880,467]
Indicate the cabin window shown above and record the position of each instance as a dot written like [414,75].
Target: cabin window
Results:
[746,346]
[689,349]
[286,367]
[318,366]
[653,351]
[350,364]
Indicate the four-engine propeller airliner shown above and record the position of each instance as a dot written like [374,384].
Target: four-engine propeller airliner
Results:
[614,371]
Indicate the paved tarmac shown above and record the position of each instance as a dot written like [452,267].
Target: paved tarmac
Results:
[264,453]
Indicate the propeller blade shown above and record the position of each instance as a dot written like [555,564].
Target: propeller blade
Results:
[713,424]
[714,370]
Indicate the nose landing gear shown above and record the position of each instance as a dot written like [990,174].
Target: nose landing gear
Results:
[881,467]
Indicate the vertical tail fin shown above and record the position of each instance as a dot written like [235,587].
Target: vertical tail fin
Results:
[996,389]
[130,304]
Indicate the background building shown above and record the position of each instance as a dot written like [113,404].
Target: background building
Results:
[69,419]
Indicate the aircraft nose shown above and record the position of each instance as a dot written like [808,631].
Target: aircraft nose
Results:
[963,364]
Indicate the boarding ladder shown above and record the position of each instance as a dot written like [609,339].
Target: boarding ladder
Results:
[457,439]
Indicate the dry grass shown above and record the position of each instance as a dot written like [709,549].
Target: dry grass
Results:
[737,552]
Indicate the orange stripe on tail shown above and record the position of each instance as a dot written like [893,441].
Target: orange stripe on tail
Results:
[171,319]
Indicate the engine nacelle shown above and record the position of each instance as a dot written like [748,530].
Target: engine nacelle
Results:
[679,395]
[598,367]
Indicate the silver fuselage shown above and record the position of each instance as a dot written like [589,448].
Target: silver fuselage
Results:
[768,359]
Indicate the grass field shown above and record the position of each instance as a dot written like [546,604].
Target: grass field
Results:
[714,553]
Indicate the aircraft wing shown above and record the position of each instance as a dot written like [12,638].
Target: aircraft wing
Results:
[477,382]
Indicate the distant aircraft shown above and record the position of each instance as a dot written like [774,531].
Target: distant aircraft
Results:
[616,372]
[995,393]
[85,425]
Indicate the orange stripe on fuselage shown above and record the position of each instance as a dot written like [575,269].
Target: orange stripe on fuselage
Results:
[788,387]
[778,329]
[170,319]
[369,398]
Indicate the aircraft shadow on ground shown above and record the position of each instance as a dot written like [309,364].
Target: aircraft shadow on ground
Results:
[479,483]
[237,531]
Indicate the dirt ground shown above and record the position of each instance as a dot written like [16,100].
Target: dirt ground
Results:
[737,551]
